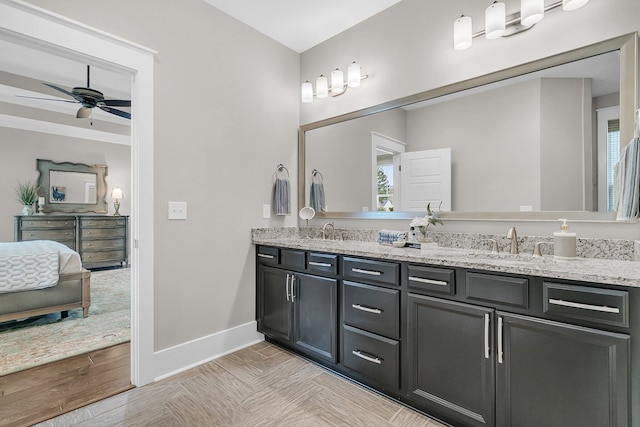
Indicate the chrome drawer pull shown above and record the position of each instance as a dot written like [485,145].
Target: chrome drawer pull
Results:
[367,309]
[319,264]
[604,308]
[429,281]
[486,335]
[365,357]
[500,351]
[265,256]
[370,272]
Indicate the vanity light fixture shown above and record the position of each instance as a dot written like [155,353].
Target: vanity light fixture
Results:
[497,24]
[338,85]
[117,194]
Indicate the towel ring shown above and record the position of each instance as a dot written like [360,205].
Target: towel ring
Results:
[280,168]
[317,172]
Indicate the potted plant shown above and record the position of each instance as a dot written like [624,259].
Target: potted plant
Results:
[27,195]
[422,224]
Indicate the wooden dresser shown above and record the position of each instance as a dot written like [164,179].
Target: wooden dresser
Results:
[101,241]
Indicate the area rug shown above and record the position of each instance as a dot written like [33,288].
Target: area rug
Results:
[44,339]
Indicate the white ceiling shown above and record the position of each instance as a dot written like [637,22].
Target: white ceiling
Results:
[301,24]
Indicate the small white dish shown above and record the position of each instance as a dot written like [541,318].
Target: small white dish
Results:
[398,243]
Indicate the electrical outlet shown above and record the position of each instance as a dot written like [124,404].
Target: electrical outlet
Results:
[266,211]
[177,210]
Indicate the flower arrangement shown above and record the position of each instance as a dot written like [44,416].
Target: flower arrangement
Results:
[27,193]
[422,224]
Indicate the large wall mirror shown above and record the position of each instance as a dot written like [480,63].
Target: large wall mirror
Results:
[531,142]
[72,187]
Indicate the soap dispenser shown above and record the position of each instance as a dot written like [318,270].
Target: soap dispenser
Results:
[564,242]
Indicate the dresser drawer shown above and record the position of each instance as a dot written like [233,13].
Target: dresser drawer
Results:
[371,308]
[94,222]
[56,235]
[30,224]
[268,255]
[372,271]
[374,357]
[100,233]
[103,256]
[603,306]
[293,258]
[502,290]
[431,279]
[99,245]
[322,263]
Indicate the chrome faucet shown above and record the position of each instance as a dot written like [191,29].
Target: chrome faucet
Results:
[324,231]
[511,234]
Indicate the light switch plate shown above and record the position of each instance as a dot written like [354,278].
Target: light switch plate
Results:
[266,211]
[177,210]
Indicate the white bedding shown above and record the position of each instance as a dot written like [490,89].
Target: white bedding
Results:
[35,264]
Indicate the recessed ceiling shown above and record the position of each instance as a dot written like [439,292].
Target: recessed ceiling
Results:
[301,24]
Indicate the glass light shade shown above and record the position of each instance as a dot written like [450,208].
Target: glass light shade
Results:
[573,4]
[531,12]
[337,81]
[307,92]
[494,20]
[322,87]
[117,193]
[353,74]
[462,35]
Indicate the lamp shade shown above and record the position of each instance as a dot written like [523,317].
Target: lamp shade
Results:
[322,87]
[117,193]
[337,81]
[494,20]
[353,74]
[573,4]
[462,36]
[307,92]
[531,11]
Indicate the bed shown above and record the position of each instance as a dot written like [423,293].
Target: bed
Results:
[41,277]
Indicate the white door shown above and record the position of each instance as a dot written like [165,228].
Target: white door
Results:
[426,178]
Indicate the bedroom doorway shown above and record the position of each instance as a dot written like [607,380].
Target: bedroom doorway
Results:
[24,24]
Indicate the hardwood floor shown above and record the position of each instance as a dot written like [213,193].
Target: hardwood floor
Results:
[262,385]
[46,391]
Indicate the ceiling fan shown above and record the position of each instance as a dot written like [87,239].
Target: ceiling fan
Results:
[90,98]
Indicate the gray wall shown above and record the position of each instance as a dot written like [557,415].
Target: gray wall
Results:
[226,113]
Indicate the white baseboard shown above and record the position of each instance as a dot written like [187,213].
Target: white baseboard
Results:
[185,356]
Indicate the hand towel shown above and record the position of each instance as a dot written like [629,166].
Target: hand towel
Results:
[390,236]
[281,197]
[627,182]
[316,198]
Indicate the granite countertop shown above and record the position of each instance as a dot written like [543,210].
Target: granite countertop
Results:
[623,273]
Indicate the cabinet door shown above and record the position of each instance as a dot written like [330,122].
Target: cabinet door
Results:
[274,308]
[315,315]
[556,374]
[450,362]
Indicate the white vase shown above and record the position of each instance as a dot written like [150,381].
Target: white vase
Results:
[27,210]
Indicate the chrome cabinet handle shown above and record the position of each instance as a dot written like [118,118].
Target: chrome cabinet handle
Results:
[265,256]
[293,288]
[486,335]
[367,309]
[499,339]
[369,272]
[287,288]
[319,264]
[361,355]
[429,281]
[604,308]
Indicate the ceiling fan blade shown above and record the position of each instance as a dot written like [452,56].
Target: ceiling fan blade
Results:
[114,111]
[83,113]
[116,102]
[61,90]
[47,99]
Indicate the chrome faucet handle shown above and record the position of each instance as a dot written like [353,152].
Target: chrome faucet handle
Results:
[536,248]
[511,234]
[494,245]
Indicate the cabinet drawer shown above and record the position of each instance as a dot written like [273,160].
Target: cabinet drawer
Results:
[604,306]
[94,223]
[371,308]
[90,233]
[30,224]
[103,256]
[431,279]
[56,235]
[373,271]
[98,245]
[322,263]
[268,255]
[292,258]
[373,356]
[510,291]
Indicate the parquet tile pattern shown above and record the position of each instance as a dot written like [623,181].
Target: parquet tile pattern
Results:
[261,385]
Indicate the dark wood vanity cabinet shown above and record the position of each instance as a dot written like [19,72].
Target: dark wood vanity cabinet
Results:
[295,308]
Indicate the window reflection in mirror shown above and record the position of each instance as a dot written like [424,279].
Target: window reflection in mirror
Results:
[72,187]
